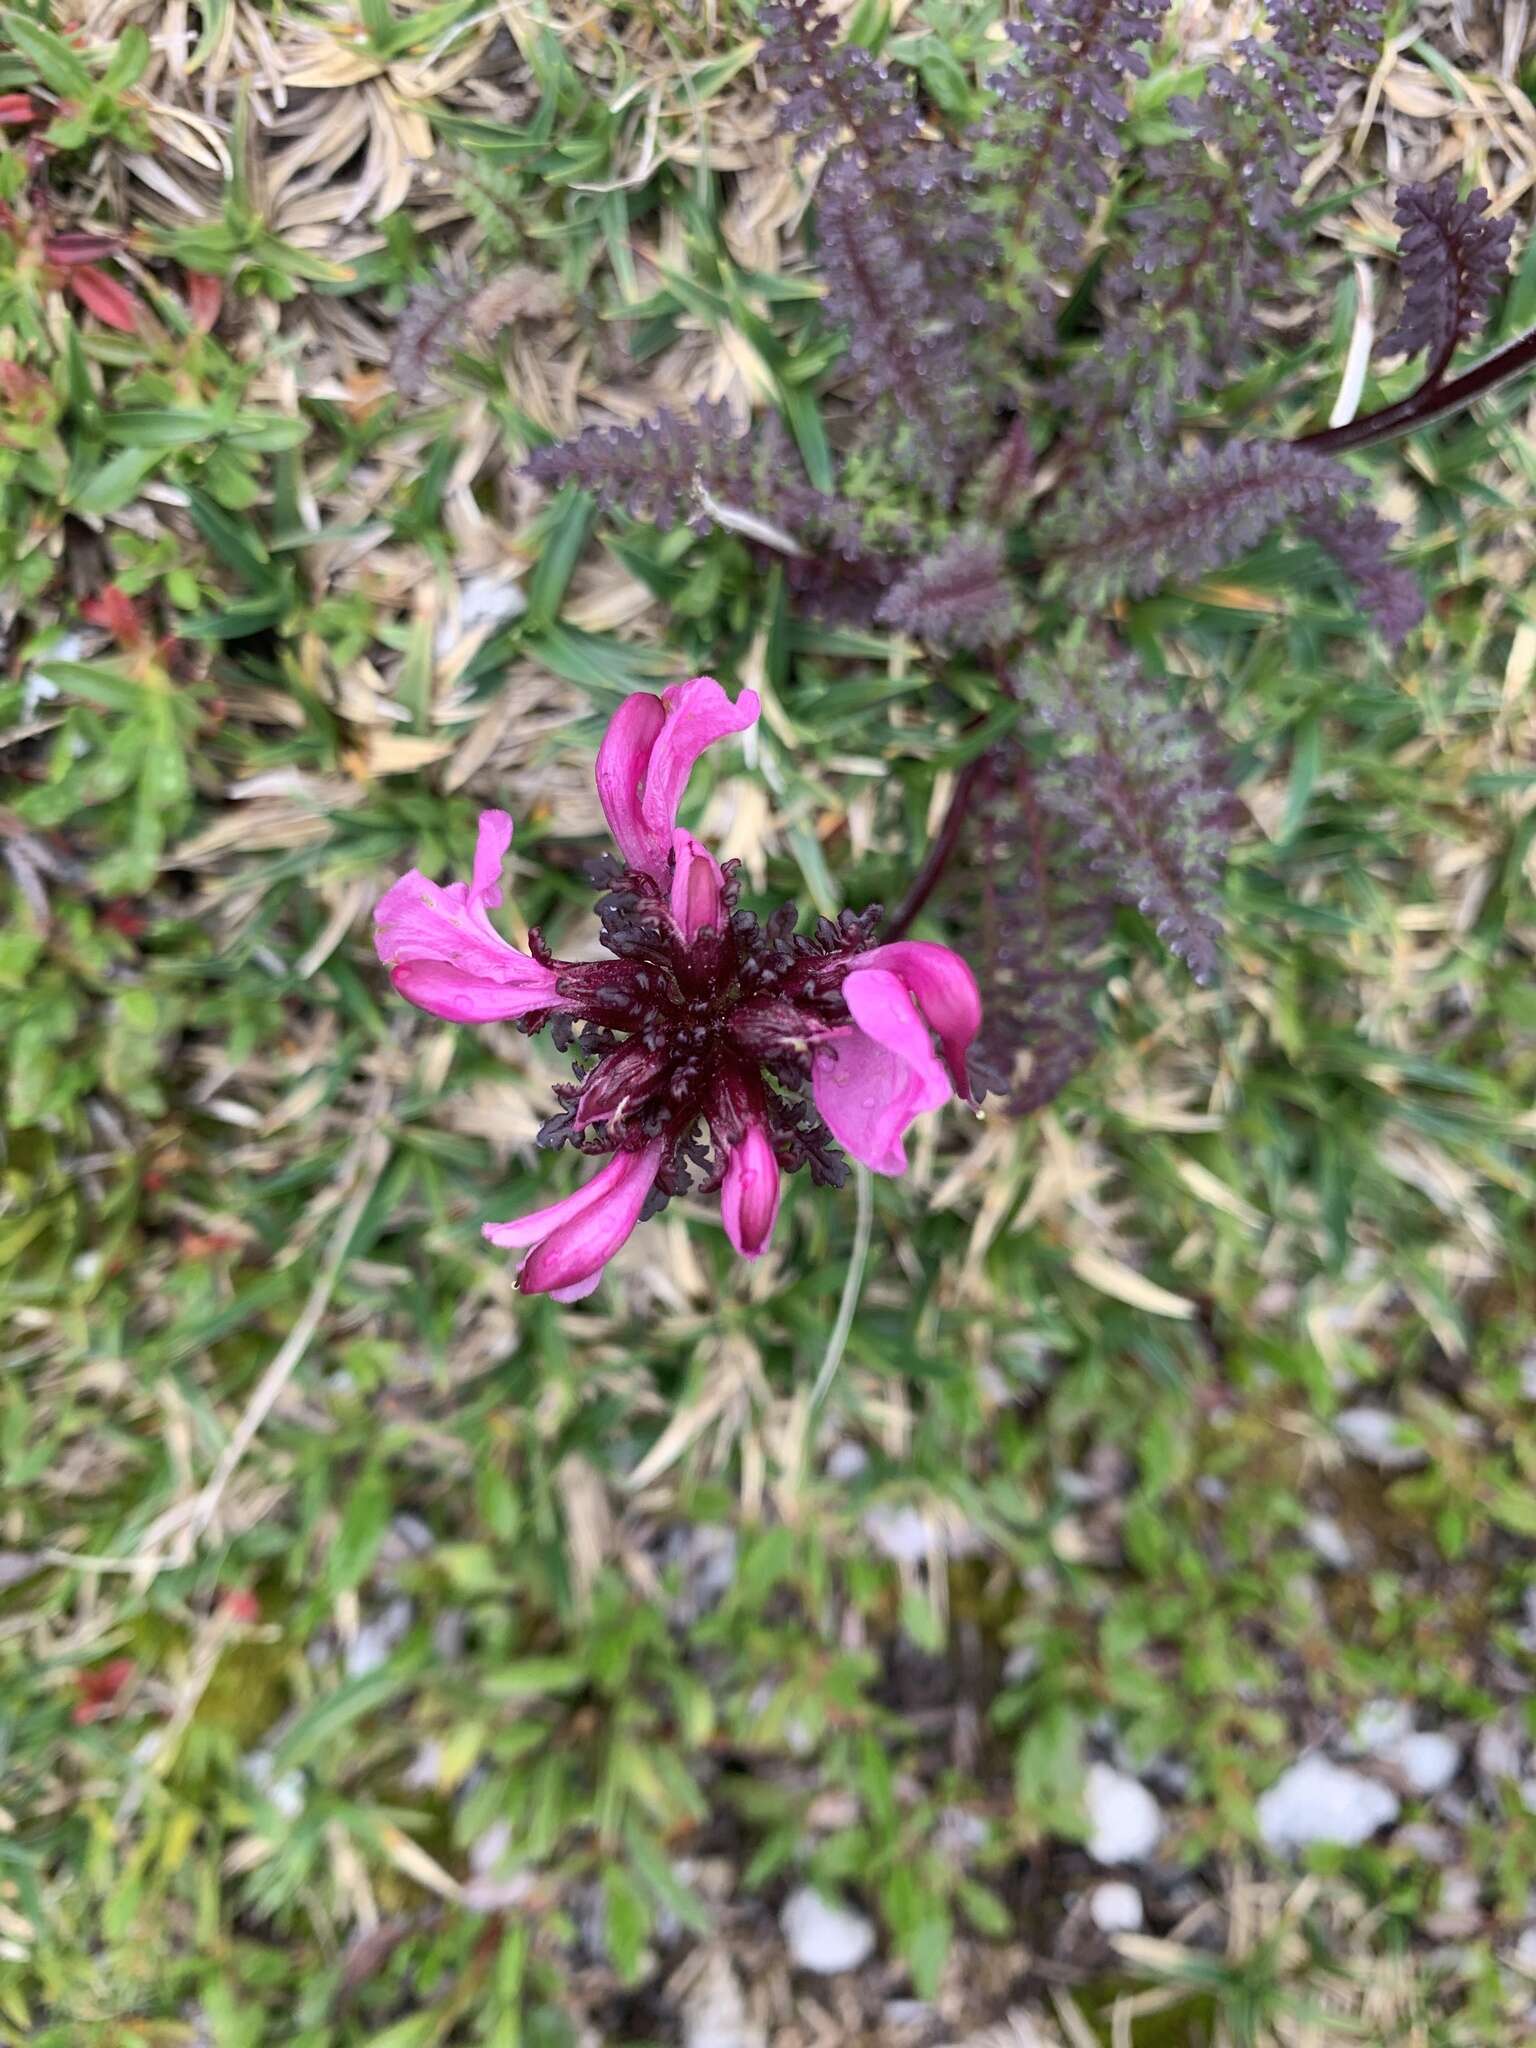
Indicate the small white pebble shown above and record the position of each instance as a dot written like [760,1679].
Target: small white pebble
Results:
[846,1460]
[903,1534]
[824,1937]
[1126,1820]
[1498,1751]
[1430,1844]
[1378,1436]
[715,2010]
[1319,1801]
[1115,1908]
[1381,1724]
[1329,1541]
[1427,1760]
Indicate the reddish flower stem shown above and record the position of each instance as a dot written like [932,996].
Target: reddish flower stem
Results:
[1433,400]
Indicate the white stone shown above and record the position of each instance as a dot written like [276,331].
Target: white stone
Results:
[1428,1761]
[284,1789]
[483,601]
[1115,1908]
[1126,1819]
[823,1936]
[1525,1948]
[1498,1750]
[1376,1435]
[1430,1844]
[846,1460]
[903,1534]
[1380,1725]
[1329,1541]
[715,2011]
[1319,1801]
[378,1638]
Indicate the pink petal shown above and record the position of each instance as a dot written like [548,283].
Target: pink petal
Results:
[447,991]
[622,760]
[574,1239]
[696,886]
[493,837]
[749,1193]
[946,992]
[646,758]
[698,714]
[442,950]
[871,1081]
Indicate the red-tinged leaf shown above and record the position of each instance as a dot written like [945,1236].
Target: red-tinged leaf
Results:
[16,109]
[205,296]
[97,1690]
[79,245]
[116,611]
[106,298]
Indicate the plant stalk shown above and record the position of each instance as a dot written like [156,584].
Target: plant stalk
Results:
[1432,401]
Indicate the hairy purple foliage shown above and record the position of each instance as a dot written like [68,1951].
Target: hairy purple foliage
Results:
[959,596]
[1319,42]
[702,471]
[1205,237]
[833,94]
[452,312]
[1356,537]
[1033,922]
[1054,127]
[903,347]
[1152,520]
[1142,784]
[1452,259]
[903,249]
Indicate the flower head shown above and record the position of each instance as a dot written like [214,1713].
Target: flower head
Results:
[704,1025]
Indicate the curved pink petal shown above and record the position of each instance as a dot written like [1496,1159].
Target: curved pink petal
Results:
[749,1193]
[646,758]
[442,950]
[622,760]
[443,990]
[698,714]
[573,1239]
[696,886]
[946,992]
[871,1081]
[493,840]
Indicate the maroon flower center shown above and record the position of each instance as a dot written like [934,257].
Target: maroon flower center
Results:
[718,1030]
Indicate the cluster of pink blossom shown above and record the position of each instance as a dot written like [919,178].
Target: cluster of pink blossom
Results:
[774,1043]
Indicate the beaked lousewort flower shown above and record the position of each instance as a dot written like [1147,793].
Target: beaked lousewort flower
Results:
[777,1046]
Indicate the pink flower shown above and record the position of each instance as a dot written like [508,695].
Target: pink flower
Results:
[646,758]
[697,886]
[873,1079]
[574,1239]
[749,1193]
[444,954]
[704,1023]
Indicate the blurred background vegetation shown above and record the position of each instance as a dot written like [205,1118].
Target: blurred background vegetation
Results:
[388,1661]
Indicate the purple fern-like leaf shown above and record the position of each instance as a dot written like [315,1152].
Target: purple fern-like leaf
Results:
[1033,920]
[699,469]
[1452,259]
[1053,131]
[1150,521]
[959,597]
[902,249]
[1142,784]
[1356,537]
